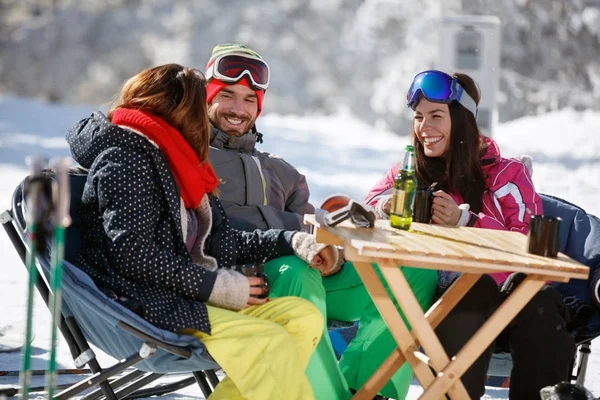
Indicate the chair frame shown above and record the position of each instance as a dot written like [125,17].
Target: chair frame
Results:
[133,384]
[580,362]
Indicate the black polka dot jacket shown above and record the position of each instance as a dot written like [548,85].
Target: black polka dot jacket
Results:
[133,243]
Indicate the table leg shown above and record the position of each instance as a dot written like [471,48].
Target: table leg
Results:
[438,359]
[381,376]
[513,304]
[435,315]
[441,308]
[406,343]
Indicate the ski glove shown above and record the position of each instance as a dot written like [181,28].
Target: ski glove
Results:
[306,247]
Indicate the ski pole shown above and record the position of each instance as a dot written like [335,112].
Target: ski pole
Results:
[11,391]
[60,221]
[37,193]
[38,372]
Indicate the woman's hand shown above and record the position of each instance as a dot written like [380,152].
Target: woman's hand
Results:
[387,205]
[326,261]
[256,289]
[444,210]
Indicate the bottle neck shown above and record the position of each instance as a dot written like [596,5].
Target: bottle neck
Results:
[409,162]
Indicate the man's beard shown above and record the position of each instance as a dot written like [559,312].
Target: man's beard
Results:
[216,117]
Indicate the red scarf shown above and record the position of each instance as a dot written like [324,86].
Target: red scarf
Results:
[194,179]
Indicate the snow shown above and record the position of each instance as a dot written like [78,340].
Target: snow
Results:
[337,153]
[323,54]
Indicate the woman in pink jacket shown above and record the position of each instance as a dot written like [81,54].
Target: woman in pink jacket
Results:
[476,186]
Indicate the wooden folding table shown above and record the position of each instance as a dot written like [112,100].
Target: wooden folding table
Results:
[471,251]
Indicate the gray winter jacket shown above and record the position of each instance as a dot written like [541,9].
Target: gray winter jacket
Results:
[272,196]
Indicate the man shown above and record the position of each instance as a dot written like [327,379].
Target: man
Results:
[260,191]
[257,189]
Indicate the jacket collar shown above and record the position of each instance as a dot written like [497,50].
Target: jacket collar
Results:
[492,154]
[244,143]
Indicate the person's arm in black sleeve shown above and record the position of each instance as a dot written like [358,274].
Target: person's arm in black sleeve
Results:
[262,246]
[128,196]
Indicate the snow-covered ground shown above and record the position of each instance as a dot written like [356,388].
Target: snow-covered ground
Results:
[337,154]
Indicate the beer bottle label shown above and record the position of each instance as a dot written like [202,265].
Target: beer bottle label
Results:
[402,203]
[398,200]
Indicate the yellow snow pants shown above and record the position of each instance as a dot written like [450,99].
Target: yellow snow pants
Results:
[263,349]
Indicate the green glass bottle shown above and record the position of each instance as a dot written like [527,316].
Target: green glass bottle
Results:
[403,197]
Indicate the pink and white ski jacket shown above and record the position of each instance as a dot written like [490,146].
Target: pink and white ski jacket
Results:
[508,200]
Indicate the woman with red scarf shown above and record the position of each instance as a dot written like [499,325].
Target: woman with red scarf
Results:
[156,235]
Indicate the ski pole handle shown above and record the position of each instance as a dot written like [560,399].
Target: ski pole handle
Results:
[62,194]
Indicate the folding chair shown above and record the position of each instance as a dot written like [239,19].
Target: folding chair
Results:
[89,316]
[580,240]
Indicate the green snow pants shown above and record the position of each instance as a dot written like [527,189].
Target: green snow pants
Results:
[343,297]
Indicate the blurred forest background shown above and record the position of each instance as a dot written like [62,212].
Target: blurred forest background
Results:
[326,56]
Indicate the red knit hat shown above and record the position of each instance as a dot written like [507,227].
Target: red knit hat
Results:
[214,86]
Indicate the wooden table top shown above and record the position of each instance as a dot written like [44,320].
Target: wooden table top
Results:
[462,249]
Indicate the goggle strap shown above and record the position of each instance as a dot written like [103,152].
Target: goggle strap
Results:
[210,72]
[467,102]
[360,215]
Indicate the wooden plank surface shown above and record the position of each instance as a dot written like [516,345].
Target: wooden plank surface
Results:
[469,250]
[463,249]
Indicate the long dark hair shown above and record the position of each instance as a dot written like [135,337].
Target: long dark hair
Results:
[460,171]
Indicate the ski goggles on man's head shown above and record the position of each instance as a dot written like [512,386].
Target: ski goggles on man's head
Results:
[439,87]
[231,68]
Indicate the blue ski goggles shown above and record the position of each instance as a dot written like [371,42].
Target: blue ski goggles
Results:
[439,87]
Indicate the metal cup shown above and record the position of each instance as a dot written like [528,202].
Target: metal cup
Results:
[257,270]
[543,235]
[423,203]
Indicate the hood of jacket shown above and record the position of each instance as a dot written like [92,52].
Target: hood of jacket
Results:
[492,155]
[244,143]
[93,135]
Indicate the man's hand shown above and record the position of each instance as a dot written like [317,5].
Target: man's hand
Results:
[326,261]
[444,210]
[318,256]
[256,289]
